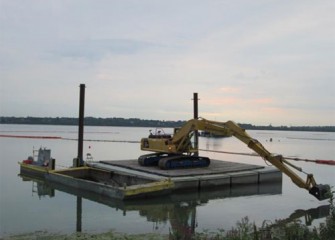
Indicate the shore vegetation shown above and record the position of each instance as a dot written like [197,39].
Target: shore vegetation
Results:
[137,122]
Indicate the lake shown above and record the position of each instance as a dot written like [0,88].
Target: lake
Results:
[28,206]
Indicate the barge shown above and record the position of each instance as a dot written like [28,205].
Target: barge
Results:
[126,179]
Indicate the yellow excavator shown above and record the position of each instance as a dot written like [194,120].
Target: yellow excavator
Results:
[177,151]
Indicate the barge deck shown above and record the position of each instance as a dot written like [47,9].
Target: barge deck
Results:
[219,173]
[126,179]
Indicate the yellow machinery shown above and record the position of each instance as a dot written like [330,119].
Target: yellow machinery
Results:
[176,151]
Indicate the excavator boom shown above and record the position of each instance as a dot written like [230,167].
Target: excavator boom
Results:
[176,151]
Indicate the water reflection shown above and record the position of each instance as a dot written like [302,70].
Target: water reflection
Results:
[179,209]
[308,215]
[79,214]
[39,187]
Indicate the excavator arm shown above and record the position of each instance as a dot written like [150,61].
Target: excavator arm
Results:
[320,191]
[180,143]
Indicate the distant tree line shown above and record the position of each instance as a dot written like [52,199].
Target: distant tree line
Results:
[291,128]
[136,122]
[91,121]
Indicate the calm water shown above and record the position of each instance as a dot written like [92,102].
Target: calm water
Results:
[28,206]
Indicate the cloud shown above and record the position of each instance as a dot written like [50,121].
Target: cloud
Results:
[230,90]
[249,60]
[98,49]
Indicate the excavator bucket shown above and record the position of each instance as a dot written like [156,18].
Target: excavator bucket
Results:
[320,191]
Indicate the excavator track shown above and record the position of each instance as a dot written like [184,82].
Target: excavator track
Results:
[151,159]
[173,161]
[183,161]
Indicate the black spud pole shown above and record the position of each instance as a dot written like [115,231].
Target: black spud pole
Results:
[81,125]
[195,116]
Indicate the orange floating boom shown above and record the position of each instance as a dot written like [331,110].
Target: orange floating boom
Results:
[328,162]
[25,136]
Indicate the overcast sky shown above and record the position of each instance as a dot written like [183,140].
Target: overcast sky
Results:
[260,62]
